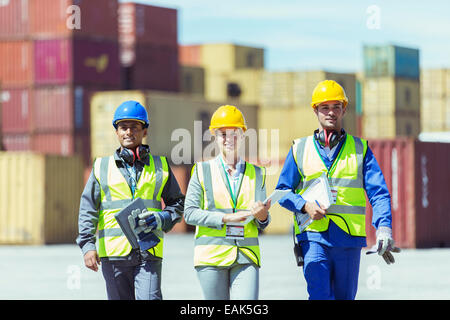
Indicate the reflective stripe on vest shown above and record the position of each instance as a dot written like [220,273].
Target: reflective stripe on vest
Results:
[116,194]
[211,246]
[345,175]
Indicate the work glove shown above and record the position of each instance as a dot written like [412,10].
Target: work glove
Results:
[385,245]
[143,229]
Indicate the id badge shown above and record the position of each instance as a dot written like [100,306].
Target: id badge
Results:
[334,192]
[234,232]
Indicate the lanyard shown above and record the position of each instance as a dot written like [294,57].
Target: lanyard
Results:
[233,197]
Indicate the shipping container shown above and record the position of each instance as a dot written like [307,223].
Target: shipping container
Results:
[182,174]
[16,141]
[178,123]
[14,19]
[17,106]
[419,201]
[50,19]
[190,55]
[16,63]
[249,82]
[40,198]
[277,90]
[386,96]
[228,57]
[146,24]
[391,61]
[155,68]
[192,80]
[77,61]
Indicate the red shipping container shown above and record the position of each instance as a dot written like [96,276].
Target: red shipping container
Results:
[83,18]
[77,61]
[17,106]
[16,142]
[146,24]
[14,19]
[190,55]
[16,63]
[416,174]
[155,68]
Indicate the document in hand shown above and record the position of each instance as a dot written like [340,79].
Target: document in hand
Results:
[319,191]
[122,220]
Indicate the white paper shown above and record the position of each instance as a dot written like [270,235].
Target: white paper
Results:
[276,196]
[319,191]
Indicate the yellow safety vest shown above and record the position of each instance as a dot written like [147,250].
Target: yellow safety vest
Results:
[345,175]
[212,248]
[116,194]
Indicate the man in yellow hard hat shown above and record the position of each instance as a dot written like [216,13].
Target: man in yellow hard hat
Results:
[224,202]
[331,238]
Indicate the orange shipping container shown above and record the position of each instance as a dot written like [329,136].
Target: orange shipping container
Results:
[190,55]
[16,63]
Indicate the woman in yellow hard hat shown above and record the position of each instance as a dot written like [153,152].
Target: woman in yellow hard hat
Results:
[224,202]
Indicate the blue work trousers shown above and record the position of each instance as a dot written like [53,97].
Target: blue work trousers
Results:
[330,272]
[132,282]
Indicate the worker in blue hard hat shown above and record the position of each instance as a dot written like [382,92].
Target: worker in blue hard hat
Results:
[132,172]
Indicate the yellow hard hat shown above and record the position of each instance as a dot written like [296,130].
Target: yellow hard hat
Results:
[227,116]
[328,90]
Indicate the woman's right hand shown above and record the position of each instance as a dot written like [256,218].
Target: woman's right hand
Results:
[236,217]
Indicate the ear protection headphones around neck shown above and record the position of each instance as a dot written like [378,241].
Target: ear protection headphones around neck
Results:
[129,155]
[329,138]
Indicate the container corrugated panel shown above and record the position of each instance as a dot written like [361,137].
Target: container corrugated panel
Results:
[14,19]
[249,81]
[391,61]
[17,106]
[155,68]
[415,180]
[16,142]
[16,63]
[395,158]
[40,198]
[139,23]
[431,196]
[53,143]
[190,55]
[77,61]
[277,90]
[192,80]
[83,18]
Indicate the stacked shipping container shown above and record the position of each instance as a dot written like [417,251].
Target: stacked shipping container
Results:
[391,92]
[54,55]
[435,98]
[148,47]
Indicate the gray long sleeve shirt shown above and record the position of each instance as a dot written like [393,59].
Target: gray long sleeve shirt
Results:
[90,203]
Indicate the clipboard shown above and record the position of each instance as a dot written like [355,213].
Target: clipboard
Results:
[122,220]
[276,195]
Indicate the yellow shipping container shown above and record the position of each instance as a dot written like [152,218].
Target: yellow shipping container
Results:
[40,198]
[277,90]
[227,57]
[192,80]
[178,122]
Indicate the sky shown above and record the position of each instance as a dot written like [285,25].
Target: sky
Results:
[310,35]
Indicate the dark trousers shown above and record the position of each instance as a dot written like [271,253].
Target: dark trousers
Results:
[125,281]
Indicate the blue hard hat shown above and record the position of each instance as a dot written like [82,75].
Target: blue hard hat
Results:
[130,110]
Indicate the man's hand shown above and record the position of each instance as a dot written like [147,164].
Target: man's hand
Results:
[92,260]
[261,211]
[314,211]
[385,244]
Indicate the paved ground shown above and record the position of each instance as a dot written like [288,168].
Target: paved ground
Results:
[58,272]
